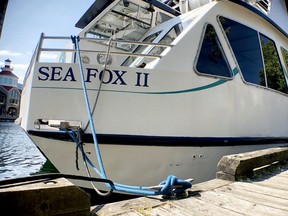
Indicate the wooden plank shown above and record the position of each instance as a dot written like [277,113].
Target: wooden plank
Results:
[229,202]
[215,197]
[201,207]
[209,185]
[172,209]
[273,182]
[273,192]
[132,213]
[145,203]
[253,196]
[164,211]
[126,206]
[190,207]
[233,167]
[56,196]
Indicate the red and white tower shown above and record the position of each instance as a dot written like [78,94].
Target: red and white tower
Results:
[9,92]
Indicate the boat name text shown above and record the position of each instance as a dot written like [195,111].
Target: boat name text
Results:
[115,77]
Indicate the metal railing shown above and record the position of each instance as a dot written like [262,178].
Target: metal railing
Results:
[103,42]
[40,48]
[34,58]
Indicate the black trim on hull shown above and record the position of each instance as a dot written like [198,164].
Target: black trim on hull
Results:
[140,140]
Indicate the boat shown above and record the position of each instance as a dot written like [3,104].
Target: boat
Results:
[166,87]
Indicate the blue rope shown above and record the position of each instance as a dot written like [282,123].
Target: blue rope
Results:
[168,185]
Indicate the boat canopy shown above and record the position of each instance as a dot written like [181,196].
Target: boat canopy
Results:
[99,5]
[126,20]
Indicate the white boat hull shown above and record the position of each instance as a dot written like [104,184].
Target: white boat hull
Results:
[170,102]
[141,165]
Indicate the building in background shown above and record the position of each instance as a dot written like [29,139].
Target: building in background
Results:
[3,7]
[9,92]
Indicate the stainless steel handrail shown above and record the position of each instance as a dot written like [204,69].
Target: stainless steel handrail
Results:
[35,58]
[107,40]
[48,48]
[103,52]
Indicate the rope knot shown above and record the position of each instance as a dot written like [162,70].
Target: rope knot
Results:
[75,38]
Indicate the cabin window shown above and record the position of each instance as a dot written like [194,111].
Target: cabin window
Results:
[161,17]
[259,62]
[211,59]
[141,48]
[285,57]
[274,73]
[245,45]
[172,34]
[153,50]
[167,39]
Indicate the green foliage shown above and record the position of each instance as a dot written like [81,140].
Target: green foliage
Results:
[274,73]
[285,55]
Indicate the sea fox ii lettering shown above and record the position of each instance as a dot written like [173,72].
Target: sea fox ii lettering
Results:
[114,77]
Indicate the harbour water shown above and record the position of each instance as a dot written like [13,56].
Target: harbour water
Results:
[19,157]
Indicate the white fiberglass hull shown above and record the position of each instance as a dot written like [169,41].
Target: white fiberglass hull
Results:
[141,165]
[173,96]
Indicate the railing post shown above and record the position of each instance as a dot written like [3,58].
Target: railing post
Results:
[39,47]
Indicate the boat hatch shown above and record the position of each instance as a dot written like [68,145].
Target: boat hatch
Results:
[56,124]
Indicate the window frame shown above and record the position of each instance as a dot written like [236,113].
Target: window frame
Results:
[161,34]
[159,40]
[279,61]
[263,60]
[232,51]
[285,63]
[222,51]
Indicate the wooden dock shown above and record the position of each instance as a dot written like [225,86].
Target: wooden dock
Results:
[253,183]
[265,194]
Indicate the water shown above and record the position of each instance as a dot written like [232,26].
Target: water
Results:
[19,157]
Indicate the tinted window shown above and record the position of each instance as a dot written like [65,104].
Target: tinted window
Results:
[161,17]
[285,56]
[274,73]
[167,39]
[172,34]
[245,45]
[211,59]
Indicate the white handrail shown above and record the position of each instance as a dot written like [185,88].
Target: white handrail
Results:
[115,53]
[35,58]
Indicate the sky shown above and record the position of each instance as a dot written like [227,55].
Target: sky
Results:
[24,22]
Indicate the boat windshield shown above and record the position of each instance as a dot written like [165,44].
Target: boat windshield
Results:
[126,21]
[168,38]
